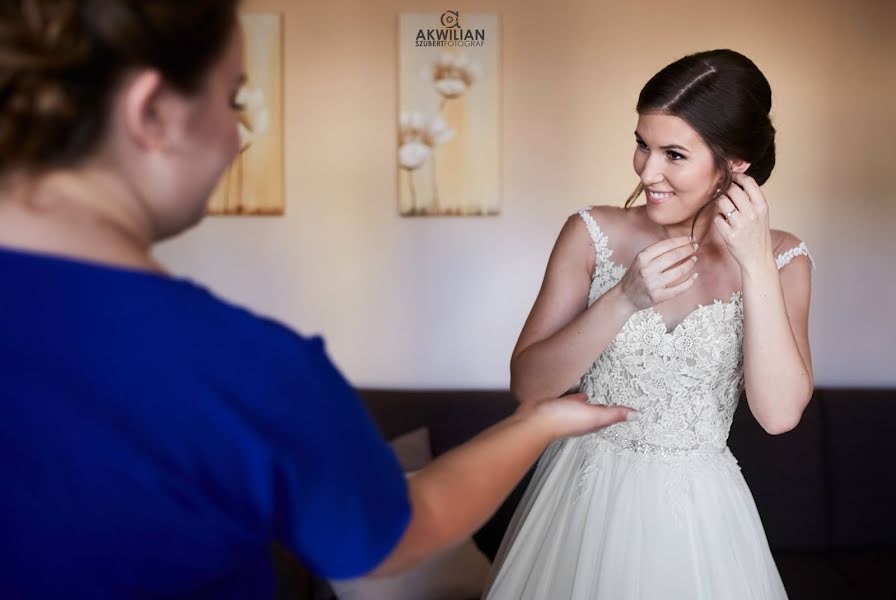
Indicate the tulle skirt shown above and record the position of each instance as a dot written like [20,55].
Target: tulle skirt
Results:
[603,522]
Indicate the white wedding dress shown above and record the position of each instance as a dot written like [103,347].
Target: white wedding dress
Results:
[654,509]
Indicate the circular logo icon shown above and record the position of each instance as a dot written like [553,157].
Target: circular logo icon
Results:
[451,18]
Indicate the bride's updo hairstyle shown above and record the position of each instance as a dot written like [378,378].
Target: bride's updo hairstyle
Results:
[61,62]
[726,99]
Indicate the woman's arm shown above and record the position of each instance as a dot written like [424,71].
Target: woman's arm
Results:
[457,493]
[777,364]
[563,336]
[777,360]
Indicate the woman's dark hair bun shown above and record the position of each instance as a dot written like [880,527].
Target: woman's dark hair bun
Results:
[62,60]
[724,96]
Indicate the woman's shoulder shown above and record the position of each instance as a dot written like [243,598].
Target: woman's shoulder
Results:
[784,240]
[603,214]
[246,327]
[215,333]
[597,232]
[786,246]
[598,222]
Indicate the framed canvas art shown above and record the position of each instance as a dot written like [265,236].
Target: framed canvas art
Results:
[449,133]
[253,185]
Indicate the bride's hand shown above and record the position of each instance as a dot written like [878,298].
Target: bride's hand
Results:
[650,280]
[572,415]
[746,232]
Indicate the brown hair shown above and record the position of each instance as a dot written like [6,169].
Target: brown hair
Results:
[61,62]
[724,96]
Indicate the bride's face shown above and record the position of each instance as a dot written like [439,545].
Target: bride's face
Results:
[676,167]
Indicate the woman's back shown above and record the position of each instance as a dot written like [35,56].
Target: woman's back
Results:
[175,435]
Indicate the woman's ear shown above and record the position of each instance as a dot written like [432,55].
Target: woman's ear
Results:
[738,166]
[152,111]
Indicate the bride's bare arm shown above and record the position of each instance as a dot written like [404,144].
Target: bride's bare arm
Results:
[563,335]
[777,360]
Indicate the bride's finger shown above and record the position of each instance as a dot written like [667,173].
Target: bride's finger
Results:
[750,187]
[672,257]
[651,252]
[673,290]
[676,273]
[723,226]
[724,204]
[740,199]
[728,210]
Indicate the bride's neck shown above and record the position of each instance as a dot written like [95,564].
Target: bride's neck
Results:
[703,231]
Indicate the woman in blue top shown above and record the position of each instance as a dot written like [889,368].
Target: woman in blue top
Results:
[155,439]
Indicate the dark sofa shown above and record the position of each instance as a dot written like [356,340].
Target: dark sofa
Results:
[826,491]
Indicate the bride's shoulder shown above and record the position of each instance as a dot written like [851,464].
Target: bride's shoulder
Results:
[786,246]
[592,227]
[615,224]
[603,217]
[782,241]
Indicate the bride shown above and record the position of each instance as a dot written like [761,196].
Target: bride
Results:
[673,308]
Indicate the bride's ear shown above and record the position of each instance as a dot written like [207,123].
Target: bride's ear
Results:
[738,166]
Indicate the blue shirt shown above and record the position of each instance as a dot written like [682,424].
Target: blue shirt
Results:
[154,440]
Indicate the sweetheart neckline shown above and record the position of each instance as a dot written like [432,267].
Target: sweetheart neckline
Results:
[736,296]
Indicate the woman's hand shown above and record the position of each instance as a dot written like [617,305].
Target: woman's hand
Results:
[455,494]
[652,278]
[572,415]
[746,231]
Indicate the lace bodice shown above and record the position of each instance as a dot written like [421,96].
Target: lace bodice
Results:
[686,383]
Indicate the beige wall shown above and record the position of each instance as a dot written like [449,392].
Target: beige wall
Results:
[439,302]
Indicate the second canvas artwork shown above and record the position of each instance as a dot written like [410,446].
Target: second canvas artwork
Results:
[449,133]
